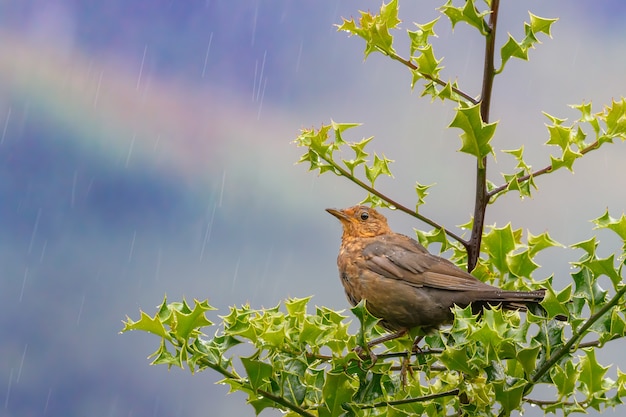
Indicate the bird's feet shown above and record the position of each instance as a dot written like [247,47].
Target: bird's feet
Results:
[365,353]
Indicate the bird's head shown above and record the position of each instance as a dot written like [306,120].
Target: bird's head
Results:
[361,221]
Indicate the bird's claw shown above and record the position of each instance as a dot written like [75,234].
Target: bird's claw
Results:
[404,369]
[366,353]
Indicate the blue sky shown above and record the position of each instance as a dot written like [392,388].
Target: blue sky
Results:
[146,150]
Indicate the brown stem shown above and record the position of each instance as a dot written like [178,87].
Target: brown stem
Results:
[566,348]
[482,196]
[539,172]
[343,172]
[414,67]
[410,400]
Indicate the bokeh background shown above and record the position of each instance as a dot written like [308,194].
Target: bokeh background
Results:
[145,150]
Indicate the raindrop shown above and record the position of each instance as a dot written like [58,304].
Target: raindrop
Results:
[206,57]
[80,310]
[132,246]
[157,403]
[34,233]
[299,56]
[43,250]
[6,125]
[95,99]
[6,399]
[222,188]
[73,197]
[258,116]
[45,408]
[19,371]
[258,91]
[236,273]
[130,150]
[158,266]
[254,19]
[207,233]
[143,60]
[23,285]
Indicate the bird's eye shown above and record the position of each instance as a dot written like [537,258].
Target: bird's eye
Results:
[364,215]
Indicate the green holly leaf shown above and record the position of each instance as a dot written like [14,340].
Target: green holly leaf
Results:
[476,134]
[366,320]
[591,373]
[296,307]
[456,357]
[559,135]
[374,29]
[565,378]
[339,388]
[148,324]
[467,14]
[259,373]
[541,242]
[518,154]
[380,166]
[555,304]
[588,246]
[189,321]
[360,156]
[615,118]
[607,222]
[541,25]
[586,287]
[509,395]
[521,264]
[587,116]
[419,37]
[605,266]
[434,236]
[422,192]
[375,201]
[527,357]
[519,49]
[163,357]
[427,63]
[499,242]
[566,160]
[512,49]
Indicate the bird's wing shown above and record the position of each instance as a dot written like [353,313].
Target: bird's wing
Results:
[400,257]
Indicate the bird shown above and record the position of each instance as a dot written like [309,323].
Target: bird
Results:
[403,284]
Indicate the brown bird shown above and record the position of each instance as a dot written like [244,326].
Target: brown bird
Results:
[403,284]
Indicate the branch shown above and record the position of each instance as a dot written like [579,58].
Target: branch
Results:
[542,403]
[277,399]
[565,349]
[397,205]
[410,400]
[429,77]
[539,172]
[482,197]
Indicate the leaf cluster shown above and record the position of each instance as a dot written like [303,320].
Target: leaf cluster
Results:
[315,364]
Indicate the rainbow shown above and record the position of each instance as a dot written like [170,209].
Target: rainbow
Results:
[120,111]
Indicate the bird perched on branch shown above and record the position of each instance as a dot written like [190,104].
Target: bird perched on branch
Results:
[403,284]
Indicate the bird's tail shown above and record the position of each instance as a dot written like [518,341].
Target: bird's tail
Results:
[515,300]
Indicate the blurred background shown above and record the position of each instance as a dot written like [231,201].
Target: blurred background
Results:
[145,150]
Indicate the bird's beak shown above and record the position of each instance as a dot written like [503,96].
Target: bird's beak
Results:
[338,214]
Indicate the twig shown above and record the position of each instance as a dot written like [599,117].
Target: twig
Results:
[563,350]
[537,173]
[482,197]
[542,403]
[277,399]
[410,400]
[414,67]
[397,205]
